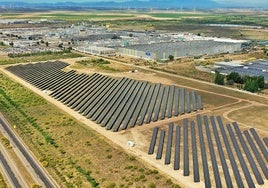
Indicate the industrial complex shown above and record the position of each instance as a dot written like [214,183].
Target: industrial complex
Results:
[150,45]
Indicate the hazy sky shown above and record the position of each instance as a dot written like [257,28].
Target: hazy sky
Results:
[242,2]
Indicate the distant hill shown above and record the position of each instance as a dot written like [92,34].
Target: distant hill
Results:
[159,4]
[155,4]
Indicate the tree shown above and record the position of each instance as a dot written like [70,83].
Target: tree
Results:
[11,44]
[235,77]
[171,57]
[219,78]
[251,85]
[261,82]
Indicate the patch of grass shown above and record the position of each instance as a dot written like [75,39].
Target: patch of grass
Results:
[6,142]
[100,64]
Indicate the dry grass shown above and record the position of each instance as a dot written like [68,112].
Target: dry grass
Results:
[3,184]
[187,69]
[254,116]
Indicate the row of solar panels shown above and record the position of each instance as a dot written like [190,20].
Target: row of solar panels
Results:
[115,104]
[249,149]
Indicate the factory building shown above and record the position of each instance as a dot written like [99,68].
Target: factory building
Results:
[161,51]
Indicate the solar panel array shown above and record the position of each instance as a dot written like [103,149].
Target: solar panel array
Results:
[113,103]
[218,155]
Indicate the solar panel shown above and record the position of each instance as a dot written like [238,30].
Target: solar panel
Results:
[152,103]
[129,109]
[194,153]
[140,103]
[259,142]
[83,92]
[80,89]
[124,108]
[248,154]
[114,102]
[104,99]
[212,154]
[109,97]
[101,96]
[65,77]
[203,153]
[177,149]
[221,154]
[170,101]
[68,86]
[82,97]
[153,140]
[165,101]
[157,104]
[182,102]
[257,154]
[236,173]
[71,88]
[176,102]
[145,105]
[92,95]
[63,86]
[160,145]
[194,101]
[169,143]
[188,102]
[266,141]
[200,104]
[186,171]
[240,158]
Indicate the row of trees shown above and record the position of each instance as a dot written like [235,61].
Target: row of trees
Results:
[248,83]
[13,55]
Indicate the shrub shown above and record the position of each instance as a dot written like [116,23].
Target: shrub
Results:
[132,158]
[219,79]
[111,185]
[152,185]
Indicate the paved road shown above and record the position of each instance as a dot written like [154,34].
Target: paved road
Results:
[48,182]
[11,176]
